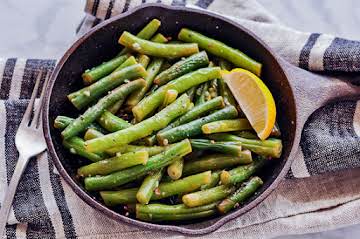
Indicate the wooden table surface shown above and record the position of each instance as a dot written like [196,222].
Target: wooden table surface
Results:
[45,29]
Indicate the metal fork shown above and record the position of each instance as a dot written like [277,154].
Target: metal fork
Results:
[29,141]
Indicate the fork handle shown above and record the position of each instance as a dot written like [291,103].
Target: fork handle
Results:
[10,192]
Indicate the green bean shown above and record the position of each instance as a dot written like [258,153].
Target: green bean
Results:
[148,186]
[157,49]
[193,113]
[76,146]
[174,217]
[182,67]
[216,162]
[61,122]
[92,134]
[166,189]
[144,60]
[221,147]
[129,62]
[181,186]
[204,95]
[152,71]
[244,192]
[222,50]
[152,150]
[207,196]
[174,170]
[146,33]
[114,164]
[215,179]
[89,94]
[193,128]
[226,126]
[156,208]
[92,113]
[127,175]
[124,196]
[142,129]
[269,148]
[197,112]
[170,96]
[241,173]
[98,72]
[181,84]
[112,123]
[247,134]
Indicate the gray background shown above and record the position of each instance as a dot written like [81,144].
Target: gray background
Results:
[45,29]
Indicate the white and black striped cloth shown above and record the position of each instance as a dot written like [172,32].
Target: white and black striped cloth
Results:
[45,207]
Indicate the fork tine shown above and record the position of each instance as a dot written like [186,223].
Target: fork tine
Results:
[37,114]
[28,111]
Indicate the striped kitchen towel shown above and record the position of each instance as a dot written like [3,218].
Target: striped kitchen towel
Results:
[45,206]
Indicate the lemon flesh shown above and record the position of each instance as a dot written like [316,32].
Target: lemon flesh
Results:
[254,99]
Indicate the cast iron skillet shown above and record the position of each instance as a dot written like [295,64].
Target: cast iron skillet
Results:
[288,85]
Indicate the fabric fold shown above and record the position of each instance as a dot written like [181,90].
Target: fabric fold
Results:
[323,190]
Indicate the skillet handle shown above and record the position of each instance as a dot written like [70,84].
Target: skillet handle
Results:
[312,91]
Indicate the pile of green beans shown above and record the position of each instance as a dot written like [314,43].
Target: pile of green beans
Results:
[158,122]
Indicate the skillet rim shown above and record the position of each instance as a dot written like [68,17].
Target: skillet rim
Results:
[117,216]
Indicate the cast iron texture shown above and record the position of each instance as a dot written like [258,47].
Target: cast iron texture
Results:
[100,44]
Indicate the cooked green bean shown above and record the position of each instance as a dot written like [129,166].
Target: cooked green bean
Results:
[112,123]
[114,164]
[129,62]
[152,150]
[98,72]
[156,208]
[166,189]
[221,147]
[226,126]
[241,173]
[124,196]
[181,84]
[76,146]
[144,60]
[146,33]
[174,170]
[182,67]
[174,217]
[127,175]
[92,134]
[157,49]
[152,71]
[61,122]
[222,50]
[89,94]
[142,129]
[148,186]
[192,114]
[92,113]
[244,192]
[207,196]
[215,162]
[193,128]
[270,148]
[214,181]
[170,96]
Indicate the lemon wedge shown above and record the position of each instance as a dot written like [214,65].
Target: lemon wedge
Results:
[254,98]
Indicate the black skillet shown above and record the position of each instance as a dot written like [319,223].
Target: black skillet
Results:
[295,93]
